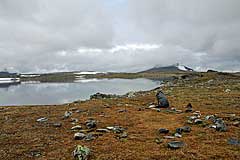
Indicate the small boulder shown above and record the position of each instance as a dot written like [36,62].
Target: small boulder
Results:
[198,121]
[175,144]
[163,130]
[162,100]
[91,124]
[79,136]
[81,153]
[67,114]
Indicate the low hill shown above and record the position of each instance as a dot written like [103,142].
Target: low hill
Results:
[172,68]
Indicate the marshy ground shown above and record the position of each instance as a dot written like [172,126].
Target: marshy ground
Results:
[21,137]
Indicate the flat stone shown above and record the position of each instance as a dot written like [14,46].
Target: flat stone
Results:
[102,130]
[152,106]
[198,121]
[163,130]
[178,135]
[43,119]
[78,127]
[168,137]
[175,144]
[79,136]
[57,124]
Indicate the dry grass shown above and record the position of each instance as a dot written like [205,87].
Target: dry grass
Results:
[20,134]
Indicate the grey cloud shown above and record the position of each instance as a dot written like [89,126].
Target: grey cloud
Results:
[202,34]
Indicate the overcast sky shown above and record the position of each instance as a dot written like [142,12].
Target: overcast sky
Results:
[118,35]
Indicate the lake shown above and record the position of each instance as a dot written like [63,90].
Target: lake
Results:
[33,93]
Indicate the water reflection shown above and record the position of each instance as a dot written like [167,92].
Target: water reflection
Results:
[58,93]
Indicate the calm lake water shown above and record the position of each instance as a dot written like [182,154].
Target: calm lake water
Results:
[59,93]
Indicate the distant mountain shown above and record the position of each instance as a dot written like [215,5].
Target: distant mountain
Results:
[5,74]
[172,68]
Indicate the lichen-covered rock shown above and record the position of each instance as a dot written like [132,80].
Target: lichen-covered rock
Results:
[81,153]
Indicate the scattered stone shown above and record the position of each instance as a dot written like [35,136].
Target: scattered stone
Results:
[158,110]
[233,141]
[220,125]
[123,135]
[175,144]
[179,130]
[237,123]
[162,100]
[213,126]
[198,121]
[189,108]
[67,114]
[74,120]
[189,122]
[178,135]
[103,96]
[81,153]
[89,137]
[122,110]
[192,118]
[210,117]
[130,94]
[91,124]
[35,153]
[116,129]
[43,119]
[79,136]
[77,127]
[168,137]
[186,129]
[159,140]
[163,130]
[58,124]
[152,106]
[227,90]
[102,130]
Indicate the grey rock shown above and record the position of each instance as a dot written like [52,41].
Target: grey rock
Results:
[198,121]
[77,127]
[163,130]
[81,153]
[168,137]
[43,119]
[162,100]
[91,124]
[89,137]
[58,124]
[102,130]
[220,125]
[179,130]
[186,129]
[175,144]
[177,135]
[67,114]
[123,135]
[233,141]
[79,136]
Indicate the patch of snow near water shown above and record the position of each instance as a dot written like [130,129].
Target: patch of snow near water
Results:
[87,80]
[9,80]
